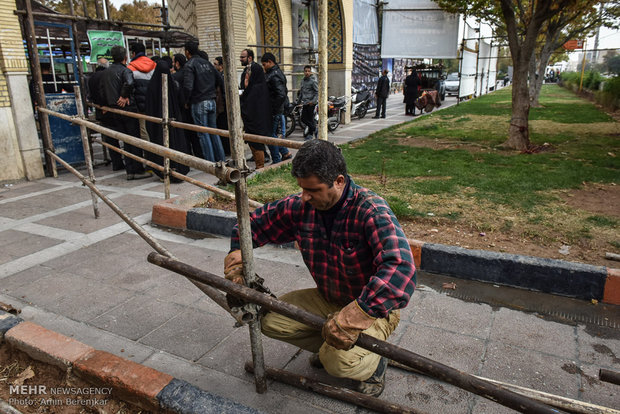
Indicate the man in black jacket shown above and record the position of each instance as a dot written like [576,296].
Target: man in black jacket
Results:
[381,93]
[276,82]
[200,83]
[116,89]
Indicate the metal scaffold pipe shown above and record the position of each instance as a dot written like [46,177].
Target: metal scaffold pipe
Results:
[198,128]
[213,293]
[218,169]
[426,366]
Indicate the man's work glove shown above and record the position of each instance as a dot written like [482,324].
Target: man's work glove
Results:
[343,327]
[233,267]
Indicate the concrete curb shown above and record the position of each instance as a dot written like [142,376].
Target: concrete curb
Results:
[145,387]
[553,276]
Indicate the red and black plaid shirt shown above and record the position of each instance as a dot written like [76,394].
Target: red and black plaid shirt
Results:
[367,256]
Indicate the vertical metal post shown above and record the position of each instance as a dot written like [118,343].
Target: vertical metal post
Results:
[78,56]
[86,147]
[241,188]
[49,48]
[458,92]
[583,65]
[106,9]
[477,62]
[166,132]
[35,64]
[322,70]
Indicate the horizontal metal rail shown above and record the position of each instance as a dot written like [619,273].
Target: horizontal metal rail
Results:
[427,366]
[219,169]
[198,128]
[226,194]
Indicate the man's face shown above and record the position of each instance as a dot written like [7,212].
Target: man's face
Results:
[243,57]
[218,67]
[177,65]
[320,195]
[267,65]
[307,72]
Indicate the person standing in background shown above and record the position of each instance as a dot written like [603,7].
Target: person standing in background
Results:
[382,92]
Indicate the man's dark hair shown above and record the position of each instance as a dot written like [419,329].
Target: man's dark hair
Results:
[137,47]
[220,60]
[307,67]
[181,59]
[192,47]
[320,158]
[268,57]
[250,53]
[118,53]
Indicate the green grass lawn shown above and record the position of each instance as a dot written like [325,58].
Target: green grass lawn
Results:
[451,163]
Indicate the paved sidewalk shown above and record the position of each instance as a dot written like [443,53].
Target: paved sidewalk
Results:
[89,279]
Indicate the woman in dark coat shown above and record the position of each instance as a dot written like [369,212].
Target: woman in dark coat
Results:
[412,82]
[256,110]
[154,108]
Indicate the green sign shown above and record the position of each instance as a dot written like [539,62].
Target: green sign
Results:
[102,41]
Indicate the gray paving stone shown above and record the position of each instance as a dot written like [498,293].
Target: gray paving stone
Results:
[532,332]
[91,300]
[277,354]
[486,406]
[173,287]
[128,319]
[599,345]
[462,352]
[26,277]
[189,335]
[83,219]
[88,334]
[30,243]
[440,310]
[8,237]
[23,188]
[227,386]
[595,391]
[20,209]
[424,394]
[531,369]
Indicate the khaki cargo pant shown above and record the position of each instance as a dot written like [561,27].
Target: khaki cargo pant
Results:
[356,363]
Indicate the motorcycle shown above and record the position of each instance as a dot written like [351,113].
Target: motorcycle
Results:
[360,101]
[335,107]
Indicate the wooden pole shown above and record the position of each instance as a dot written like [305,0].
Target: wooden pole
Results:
[86,147]
[322,70]
[166,132]
[241,189]
[35,66]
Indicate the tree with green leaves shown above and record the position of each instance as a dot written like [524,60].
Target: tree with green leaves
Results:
[576,22]
[523,23]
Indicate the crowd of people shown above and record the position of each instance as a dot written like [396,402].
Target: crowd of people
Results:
[196,95]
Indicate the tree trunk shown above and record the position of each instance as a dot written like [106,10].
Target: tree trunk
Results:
[518,133]
[541,63]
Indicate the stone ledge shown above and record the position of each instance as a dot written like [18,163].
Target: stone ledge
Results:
[146,387]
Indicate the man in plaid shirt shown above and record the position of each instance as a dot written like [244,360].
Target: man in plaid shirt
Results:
[357,254]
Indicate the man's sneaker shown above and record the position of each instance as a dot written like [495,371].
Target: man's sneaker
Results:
[376,383]
[315,361]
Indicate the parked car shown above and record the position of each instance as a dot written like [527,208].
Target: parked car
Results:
[452,84]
